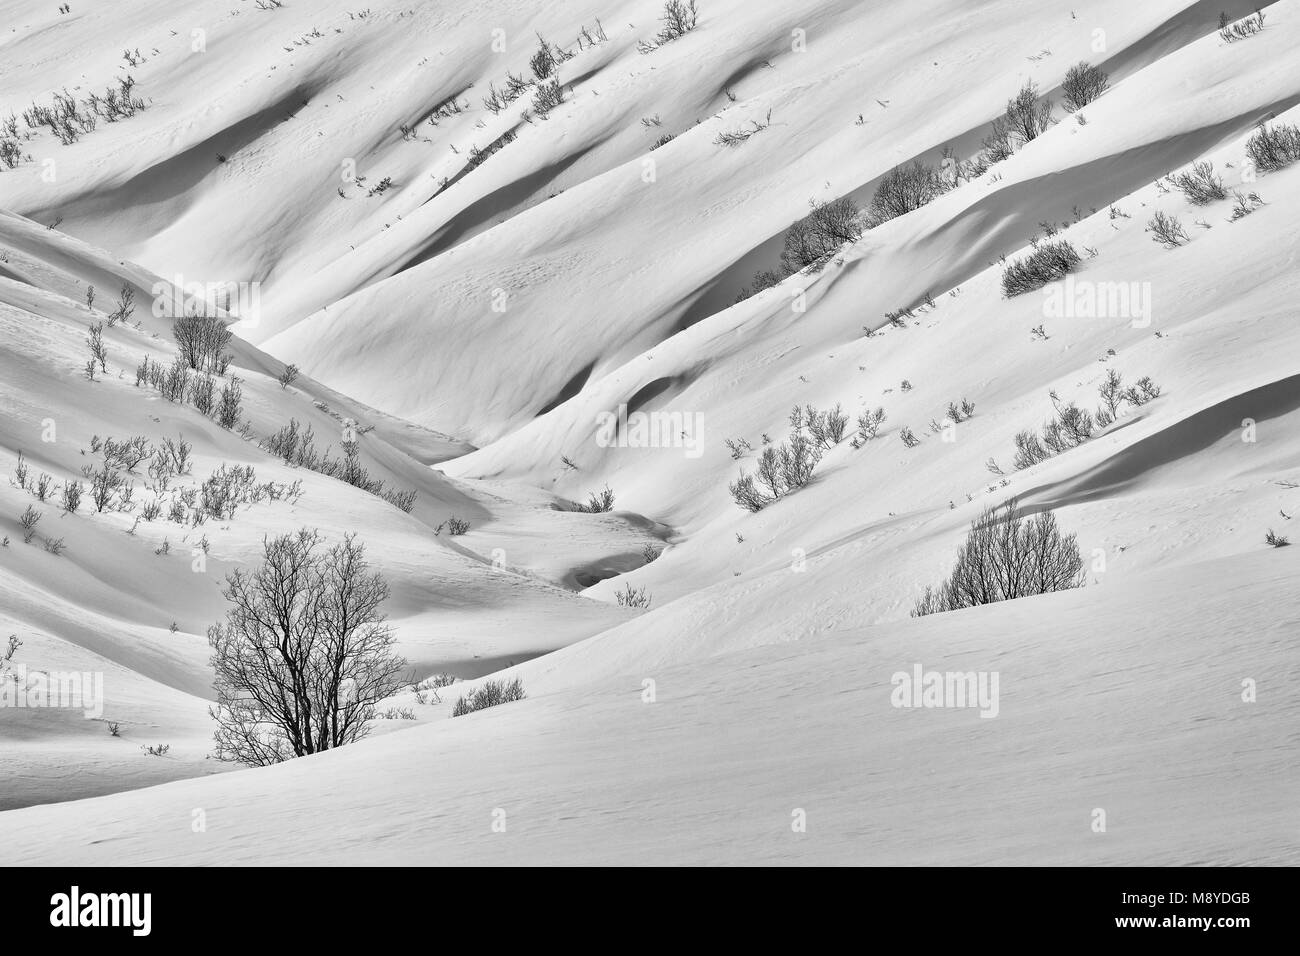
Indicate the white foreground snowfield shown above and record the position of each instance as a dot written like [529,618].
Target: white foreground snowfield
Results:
[481,293]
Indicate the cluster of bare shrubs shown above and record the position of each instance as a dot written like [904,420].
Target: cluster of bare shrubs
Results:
[477,157]
[1271,148]
[902,190]
[1244,204]
[426,690]
[811,242]
[489,694]
[1007,556]
[1071,426]
[1024,118]
[869,423]
[303,657]
[455,527]
[179,384]
[1047,262]
[734,137]
[1241,29]
[110,488]
[817,237]
[785,468]
[545,65]
[297,446]
[216,497]
[497,100]
[632,597]
[548,96]
[678,19]
[1083,83]
[11,143]
[955,414]
[69,119]
[1200,184]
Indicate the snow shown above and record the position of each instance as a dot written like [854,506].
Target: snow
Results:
[482,330]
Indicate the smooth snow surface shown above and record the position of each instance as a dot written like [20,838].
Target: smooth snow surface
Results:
[478,322]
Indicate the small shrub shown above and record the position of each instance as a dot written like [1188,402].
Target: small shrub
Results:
[549,95]
[599,502]
[736,137]
[678,20]
[1048,262]
[650,553]
[125,306]
[1166,230]
[738,447]
[1244,205]
[959,413]
[632,597]
[54,545]
[6,658]
[1027,117]
[43,487]
[288,376]
[1270,149]
[28,521]
[71,496]
[1275,540]
[228,405]
[1200,185]
[542,62]
[156,750]
[1083,83]
[114,730]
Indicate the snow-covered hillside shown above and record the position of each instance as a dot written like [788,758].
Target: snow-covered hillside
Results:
[488,300]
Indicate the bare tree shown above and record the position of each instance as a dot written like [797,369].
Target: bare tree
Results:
[1026,117]
[201,340]
[820,235]
[304,655]
[903,189]
[1083,83]
[1006,556]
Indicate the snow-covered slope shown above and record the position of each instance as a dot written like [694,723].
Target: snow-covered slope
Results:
[1146,724]
[479,319]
